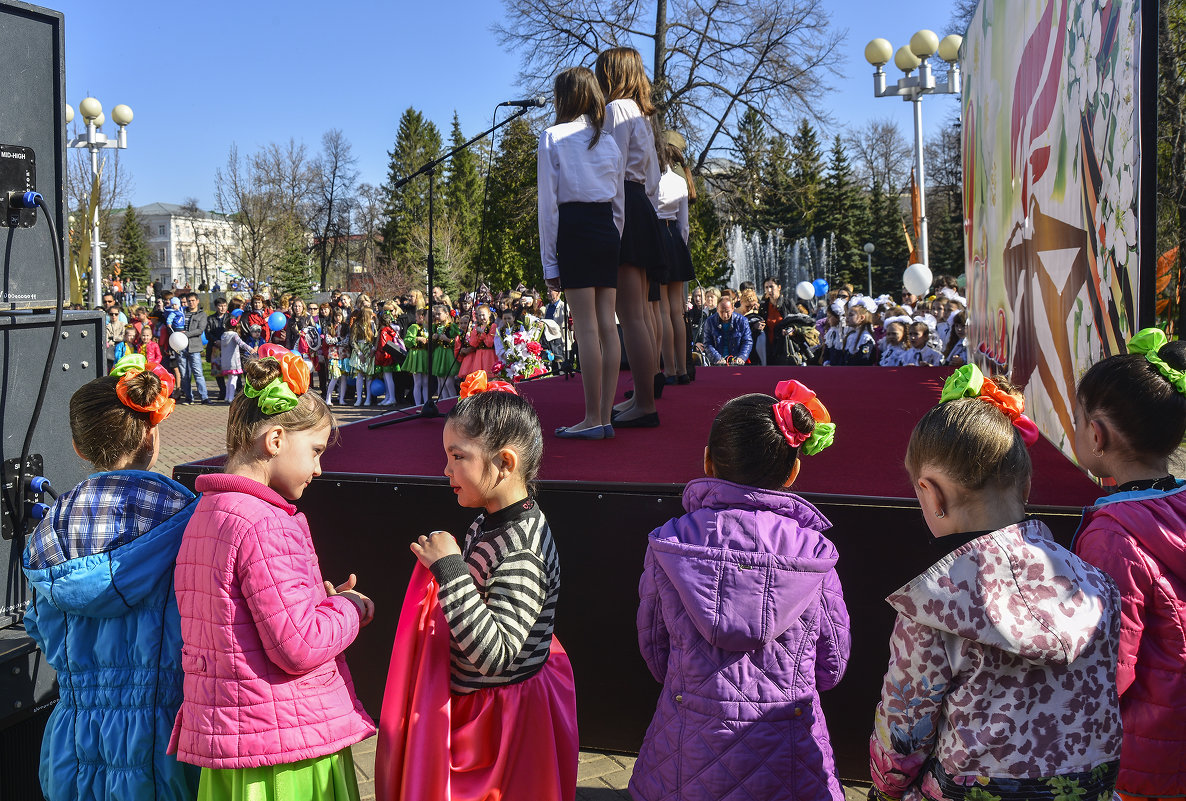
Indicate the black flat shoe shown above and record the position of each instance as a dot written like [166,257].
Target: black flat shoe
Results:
[660,381]
[645,421]
[683,379]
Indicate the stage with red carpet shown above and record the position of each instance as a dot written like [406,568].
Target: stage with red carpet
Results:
[383,487]
[874,409]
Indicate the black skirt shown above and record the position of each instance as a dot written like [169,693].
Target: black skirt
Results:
[587,245]
[679,259]
[642,238]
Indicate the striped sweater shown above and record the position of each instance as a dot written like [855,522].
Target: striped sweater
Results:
[499,597]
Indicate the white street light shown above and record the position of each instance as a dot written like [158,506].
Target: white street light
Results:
[95,140]
[923,45]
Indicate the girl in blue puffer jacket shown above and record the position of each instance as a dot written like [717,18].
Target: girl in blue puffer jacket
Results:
[100,567]
[742,618]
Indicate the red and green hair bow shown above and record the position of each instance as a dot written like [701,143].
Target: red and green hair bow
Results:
[969,382]
[789,393]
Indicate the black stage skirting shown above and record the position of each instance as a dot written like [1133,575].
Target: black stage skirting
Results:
[364,514]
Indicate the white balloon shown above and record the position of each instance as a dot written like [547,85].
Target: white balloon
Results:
[178,341]
[917,279]
[805,290]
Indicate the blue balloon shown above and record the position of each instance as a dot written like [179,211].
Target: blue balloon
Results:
[277,320]
[204,340]
[236,313]
[378,388]
[821,287]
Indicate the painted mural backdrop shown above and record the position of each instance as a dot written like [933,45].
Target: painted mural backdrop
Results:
[1051,153]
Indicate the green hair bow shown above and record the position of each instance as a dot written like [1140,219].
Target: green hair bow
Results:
[274,398]
[1148,342]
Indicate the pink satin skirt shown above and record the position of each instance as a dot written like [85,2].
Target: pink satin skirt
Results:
[513,742]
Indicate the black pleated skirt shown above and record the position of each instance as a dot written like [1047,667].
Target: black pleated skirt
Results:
[587,245]
[642,237]
[679,259]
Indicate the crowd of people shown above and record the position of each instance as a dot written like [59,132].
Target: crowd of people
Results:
[358,348]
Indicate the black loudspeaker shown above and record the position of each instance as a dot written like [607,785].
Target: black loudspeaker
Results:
[32,117]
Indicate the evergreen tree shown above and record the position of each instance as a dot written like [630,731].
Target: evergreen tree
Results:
[512,240]
[842,212]
[294,273]
[133,246]
[706,240]
[945,220]
[463,196]
[778,210]
[746,180]
[417,143]
[890,254]
[806,180]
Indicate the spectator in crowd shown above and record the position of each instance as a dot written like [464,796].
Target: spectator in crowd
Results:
[216,324]
[775,306]
[726,336]
[190,358]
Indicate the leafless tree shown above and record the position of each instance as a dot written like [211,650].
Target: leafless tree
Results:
[711,59]
[207,242]
[881,155]
[333,177]
[367,222]
[109,194]
[254,203]
[285,173]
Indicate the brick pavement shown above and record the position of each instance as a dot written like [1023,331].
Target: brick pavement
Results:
[198,431]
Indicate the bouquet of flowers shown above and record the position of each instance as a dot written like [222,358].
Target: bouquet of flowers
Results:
[523,356]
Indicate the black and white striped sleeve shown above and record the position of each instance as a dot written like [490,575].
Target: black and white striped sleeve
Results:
[490,635]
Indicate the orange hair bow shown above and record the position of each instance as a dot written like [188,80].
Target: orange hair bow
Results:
[969,382]
[476,383]
[132,365]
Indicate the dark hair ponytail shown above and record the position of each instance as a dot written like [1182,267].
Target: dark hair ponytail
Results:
[747,446]
[105,431]
[497,420]
[1138,400]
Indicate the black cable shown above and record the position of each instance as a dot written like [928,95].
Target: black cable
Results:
[51,493]
[49,361]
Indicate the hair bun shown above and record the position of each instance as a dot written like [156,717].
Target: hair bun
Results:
[261,372]
[143,387]
[801,417]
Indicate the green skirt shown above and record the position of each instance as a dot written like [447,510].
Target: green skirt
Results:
[327,778]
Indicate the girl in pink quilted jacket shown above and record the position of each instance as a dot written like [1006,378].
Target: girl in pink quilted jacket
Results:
[1001,679]
[269,708]
[1130,418]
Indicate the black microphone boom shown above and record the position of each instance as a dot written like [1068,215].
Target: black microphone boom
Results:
[531,102]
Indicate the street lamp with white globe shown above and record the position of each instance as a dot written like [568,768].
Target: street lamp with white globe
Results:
[95,140]
[869,256]
[915,56]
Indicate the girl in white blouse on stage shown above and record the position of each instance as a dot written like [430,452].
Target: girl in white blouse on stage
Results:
[674,191]
[624,82]
[580,177]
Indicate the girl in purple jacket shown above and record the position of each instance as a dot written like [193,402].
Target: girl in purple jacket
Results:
[742,618]
[1130,418]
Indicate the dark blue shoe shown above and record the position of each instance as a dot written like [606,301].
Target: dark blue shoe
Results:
[593,432]
[607,431]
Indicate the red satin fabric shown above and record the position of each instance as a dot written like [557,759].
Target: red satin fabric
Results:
[514,742]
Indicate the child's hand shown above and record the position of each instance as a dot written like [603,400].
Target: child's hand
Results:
[366,607]
[434,546]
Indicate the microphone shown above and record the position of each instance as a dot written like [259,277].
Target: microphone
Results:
[531,102]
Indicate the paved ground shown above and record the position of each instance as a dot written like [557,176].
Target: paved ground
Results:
[197,431]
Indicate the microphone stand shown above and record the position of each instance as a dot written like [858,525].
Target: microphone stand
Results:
[429,409]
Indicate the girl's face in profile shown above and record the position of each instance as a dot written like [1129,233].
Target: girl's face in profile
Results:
[856,315]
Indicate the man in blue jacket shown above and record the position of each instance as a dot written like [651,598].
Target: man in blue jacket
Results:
[727,338]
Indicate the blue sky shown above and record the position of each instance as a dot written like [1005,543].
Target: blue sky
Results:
[201,76]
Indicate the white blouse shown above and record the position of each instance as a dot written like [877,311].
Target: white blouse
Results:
[567,171]
[673,200]
[632,131]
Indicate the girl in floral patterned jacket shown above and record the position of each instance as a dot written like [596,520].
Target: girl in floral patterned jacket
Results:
[1002,673]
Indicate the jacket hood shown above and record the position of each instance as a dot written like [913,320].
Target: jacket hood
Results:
[746,563]
[1154,518]
[1014,589]
[107,584]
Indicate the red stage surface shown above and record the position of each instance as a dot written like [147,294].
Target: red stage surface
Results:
[874,409]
